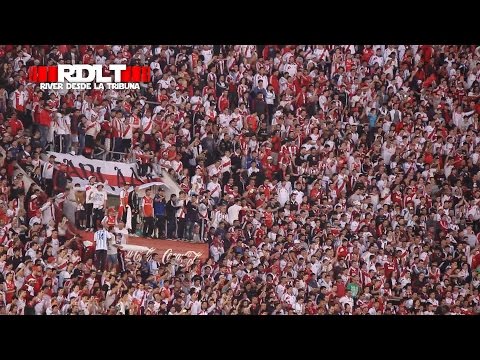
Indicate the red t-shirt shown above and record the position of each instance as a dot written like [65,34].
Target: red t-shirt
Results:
[389,268]
[148,206]
[276,143]
[268,219]
[252,122]
[475,261]
[86,59]
[342,252]
[44,118]
[16,126]
[341,291]
[428,158]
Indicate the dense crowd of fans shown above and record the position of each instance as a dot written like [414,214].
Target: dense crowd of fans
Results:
[325,180]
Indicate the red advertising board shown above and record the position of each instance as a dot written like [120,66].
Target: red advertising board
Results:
[184,252]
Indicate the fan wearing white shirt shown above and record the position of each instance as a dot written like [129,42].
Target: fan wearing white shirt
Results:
[216,250]
[260,76]
[395,114]
[253,168]
[164,83]
[458,117]
[99,200]
[21,60]
[100,58]
[215,189]
[47,174]
[62,129]
[224,118]
[154,65]
[291,67]
[234,211]
[347,299]
[288,297]
[101,238]
[207,53]
[322,100]
[195,305]
[377,58]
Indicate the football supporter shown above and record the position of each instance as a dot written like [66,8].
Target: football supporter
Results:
[325,180]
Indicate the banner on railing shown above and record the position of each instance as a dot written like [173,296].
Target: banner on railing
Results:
[112,173]
[184,253]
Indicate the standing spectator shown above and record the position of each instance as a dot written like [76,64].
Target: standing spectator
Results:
[99,201]
[171,211]
[19,100]
[92,128]
[101,237]
[133,203]
[47,174]
[44,123]
[260,106]
[180,215]
[191,216]
[113,248]
[75,121]
[159,207]
[3,101]
[146,212]
[15,124]
[89,190]
[63,133]
[270,100]
[80,215]
[60,178]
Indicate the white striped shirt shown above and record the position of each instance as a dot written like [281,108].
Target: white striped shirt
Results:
[62,124]
[101,237]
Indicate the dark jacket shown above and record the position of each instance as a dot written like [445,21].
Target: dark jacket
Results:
[260,107]
[192,212]
[159,206]
[133,201]
[60,180]
[171,209]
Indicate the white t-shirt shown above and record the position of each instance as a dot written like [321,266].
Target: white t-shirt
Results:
[233,212]
[291,69]
[196,307]
[207,55]
[99,198]
[270,99]
[111,249]
[124,233]
[346,300]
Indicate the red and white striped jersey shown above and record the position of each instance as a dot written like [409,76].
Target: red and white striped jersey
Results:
[147,125]
[19,100]
[212,77]
[177,166]
[127,129]
[117,127]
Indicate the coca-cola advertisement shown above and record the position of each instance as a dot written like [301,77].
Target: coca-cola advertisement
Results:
[184,253]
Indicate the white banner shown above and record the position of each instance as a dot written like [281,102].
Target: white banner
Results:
[112,173]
